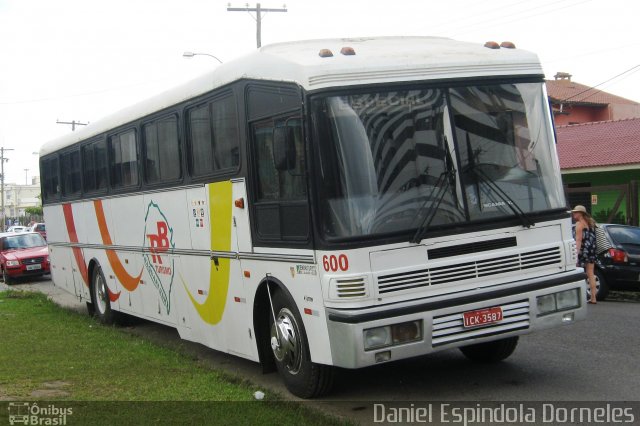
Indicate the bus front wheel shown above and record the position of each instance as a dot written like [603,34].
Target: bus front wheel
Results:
[491,351]
[302,377]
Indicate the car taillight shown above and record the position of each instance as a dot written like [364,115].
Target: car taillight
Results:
[618,256]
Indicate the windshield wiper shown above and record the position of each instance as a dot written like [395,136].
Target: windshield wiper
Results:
[443,183]
[504,197]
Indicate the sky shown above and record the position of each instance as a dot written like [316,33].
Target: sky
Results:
[80,60]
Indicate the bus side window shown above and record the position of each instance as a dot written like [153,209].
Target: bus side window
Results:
[213,137]
[274,184]
[70,172]
[50,182]
[123,159]
[161,150]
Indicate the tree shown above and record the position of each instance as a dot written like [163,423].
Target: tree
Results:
[34,211]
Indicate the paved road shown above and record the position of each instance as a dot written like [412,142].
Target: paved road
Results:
[594,360]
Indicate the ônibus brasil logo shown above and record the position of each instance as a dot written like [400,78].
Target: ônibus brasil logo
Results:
[158,239]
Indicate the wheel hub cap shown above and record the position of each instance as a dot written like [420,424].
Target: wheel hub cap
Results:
[285,341]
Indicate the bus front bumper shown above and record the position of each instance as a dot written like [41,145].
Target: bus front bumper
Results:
[364,337]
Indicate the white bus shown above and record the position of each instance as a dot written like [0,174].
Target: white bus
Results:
[326,203]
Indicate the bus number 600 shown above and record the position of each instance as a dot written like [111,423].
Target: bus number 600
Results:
[333,263]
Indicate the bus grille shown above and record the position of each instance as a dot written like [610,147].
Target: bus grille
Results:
[32,261]
[450,329]
[468,270]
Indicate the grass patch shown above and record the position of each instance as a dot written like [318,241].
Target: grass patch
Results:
[52,354]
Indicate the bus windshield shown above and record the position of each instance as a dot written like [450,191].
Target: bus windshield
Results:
[393,161]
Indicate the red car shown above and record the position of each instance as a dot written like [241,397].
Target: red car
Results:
[23,255]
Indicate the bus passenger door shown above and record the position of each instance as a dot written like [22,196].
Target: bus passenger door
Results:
[239,335]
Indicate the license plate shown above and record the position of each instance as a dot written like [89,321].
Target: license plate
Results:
[34,267]
[482,317]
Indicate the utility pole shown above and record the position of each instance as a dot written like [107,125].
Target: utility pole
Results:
[2,161]
[73,123]
[258,9]
[26,176]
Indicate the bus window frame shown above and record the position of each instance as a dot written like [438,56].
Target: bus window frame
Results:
[160,183]
[257,205]
[123,189]
[58,194]
[83,145]
[77,193]
[208,100]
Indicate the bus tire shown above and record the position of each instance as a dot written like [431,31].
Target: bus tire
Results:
[488,352]
[302,377]
[100,298]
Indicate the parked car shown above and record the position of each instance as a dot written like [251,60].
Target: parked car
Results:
[618,261]
[23,255]
[40,228]
[18,228]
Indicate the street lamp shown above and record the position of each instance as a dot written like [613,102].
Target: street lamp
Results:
[192,54]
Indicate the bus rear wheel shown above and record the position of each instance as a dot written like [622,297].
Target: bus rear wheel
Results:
[488,352]
[100,298]
[290,347]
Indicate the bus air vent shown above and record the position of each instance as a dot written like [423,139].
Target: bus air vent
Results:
[403,281]
[349,288]
[463,272]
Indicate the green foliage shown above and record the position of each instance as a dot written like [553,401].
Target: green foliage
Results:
[33,211]
[602,216]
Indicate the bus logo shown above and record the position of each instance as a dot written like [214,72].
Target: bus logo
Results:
[18,413]
[158,240]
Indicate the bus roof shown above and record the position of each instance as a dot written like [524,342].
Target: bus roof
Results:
[369,61]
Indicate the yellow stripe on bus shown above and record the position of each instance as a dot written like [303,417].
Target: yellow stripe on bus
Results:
[220,205]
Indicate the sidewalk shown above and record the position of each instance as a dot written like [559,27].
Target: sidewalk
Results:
[45,286]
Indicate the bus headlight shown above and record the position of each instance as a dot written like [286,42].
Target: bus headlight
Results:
[560,301]
[568,299]
[378,337]
[546,304]
[390,335]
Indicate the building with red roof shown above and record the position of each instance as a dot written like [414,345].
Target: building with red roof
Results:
[574,103]
[600,166]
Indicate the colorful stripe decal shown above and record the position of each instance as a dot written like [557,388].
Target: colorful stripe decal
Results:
[220,199]
[73,237]
[128,281]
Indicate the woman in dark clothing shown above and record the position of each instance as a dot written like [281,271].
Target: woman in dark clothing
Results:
[586,245]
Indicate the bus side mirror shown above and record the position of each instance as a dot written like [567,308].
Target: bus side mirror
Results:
[284,148]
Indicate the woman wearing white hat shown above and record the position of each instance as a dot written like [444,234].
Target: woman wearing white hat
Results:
[586,245]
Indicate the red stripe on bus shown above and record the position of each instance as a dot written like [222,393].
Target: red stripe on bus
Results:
[73,237]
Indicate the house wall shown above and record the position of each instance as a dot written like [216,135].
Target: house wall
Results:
[624,111]
[581,114]
[604,200]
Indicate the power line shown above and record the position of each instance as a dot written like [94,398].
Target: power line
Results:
[598,85]
[501,18]
[475,16]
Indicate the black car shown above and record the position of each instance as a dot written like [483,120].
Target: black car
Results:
[618,261]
